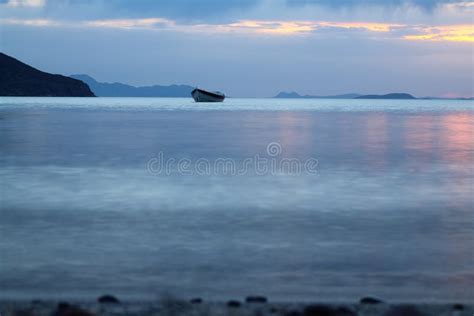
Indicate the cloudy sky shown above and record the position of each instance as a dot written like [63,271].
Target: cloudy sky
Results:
[251,48]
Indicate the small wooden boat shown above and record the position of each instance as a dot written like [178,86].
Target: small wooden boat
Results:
[200,95]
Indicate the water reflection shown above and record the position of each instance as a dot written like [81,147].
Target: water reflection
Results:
[457,137]
[294,134]
[419,137]
[456,150]
[80,177]
[377,139]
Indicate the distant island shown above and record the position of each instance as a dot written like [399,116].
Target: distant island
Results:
[20,79]
[390,96]
[116,89]
[398,96]
[294,95]
[438,98]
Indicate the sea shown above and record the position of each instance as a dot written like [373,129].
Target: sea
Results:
[294,199]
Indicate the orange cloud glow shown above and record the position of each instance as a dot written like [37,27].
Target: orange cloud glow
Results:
[301,27]
[454,33]
[374,27]
[271,27]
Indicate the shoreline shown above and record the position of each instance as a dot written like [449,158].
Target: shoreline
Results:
[250,306]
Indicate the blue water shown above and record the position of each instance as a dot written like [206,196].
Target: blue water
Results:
[387,208]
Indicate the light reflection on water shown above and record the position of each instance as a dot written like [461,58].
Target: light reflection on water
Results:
[390,212]
[458,138]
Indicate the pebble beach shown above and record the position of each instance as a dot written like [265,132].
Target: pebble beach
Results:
[251,306]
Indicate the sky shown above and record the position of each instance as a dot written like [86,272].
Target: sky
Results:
[251,48]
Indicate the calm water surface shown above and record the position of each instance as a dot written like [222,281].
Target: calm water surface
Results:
[390,211]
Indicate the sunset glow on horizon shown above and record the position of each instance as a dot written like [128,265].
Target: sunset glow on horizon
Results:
[455,33]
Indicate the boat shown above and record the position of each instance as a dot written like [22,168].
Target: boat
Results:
[200,95]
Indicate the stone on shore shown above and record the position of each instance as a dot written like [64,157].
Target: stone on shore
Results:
[169,306]
[403,310]
[326,310]
[108,299]
[66,309]
[256,299]
[233,304]
[370,300]
[458,307]
[196,300]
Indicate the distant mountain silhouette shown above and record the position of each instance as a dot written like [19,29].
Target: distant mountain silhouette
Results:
[404,96]
[294,95]
[117,89]
[439,98]
[19,79]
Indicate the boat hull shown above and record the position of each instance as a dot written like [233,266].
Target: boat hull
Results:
[206,96]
